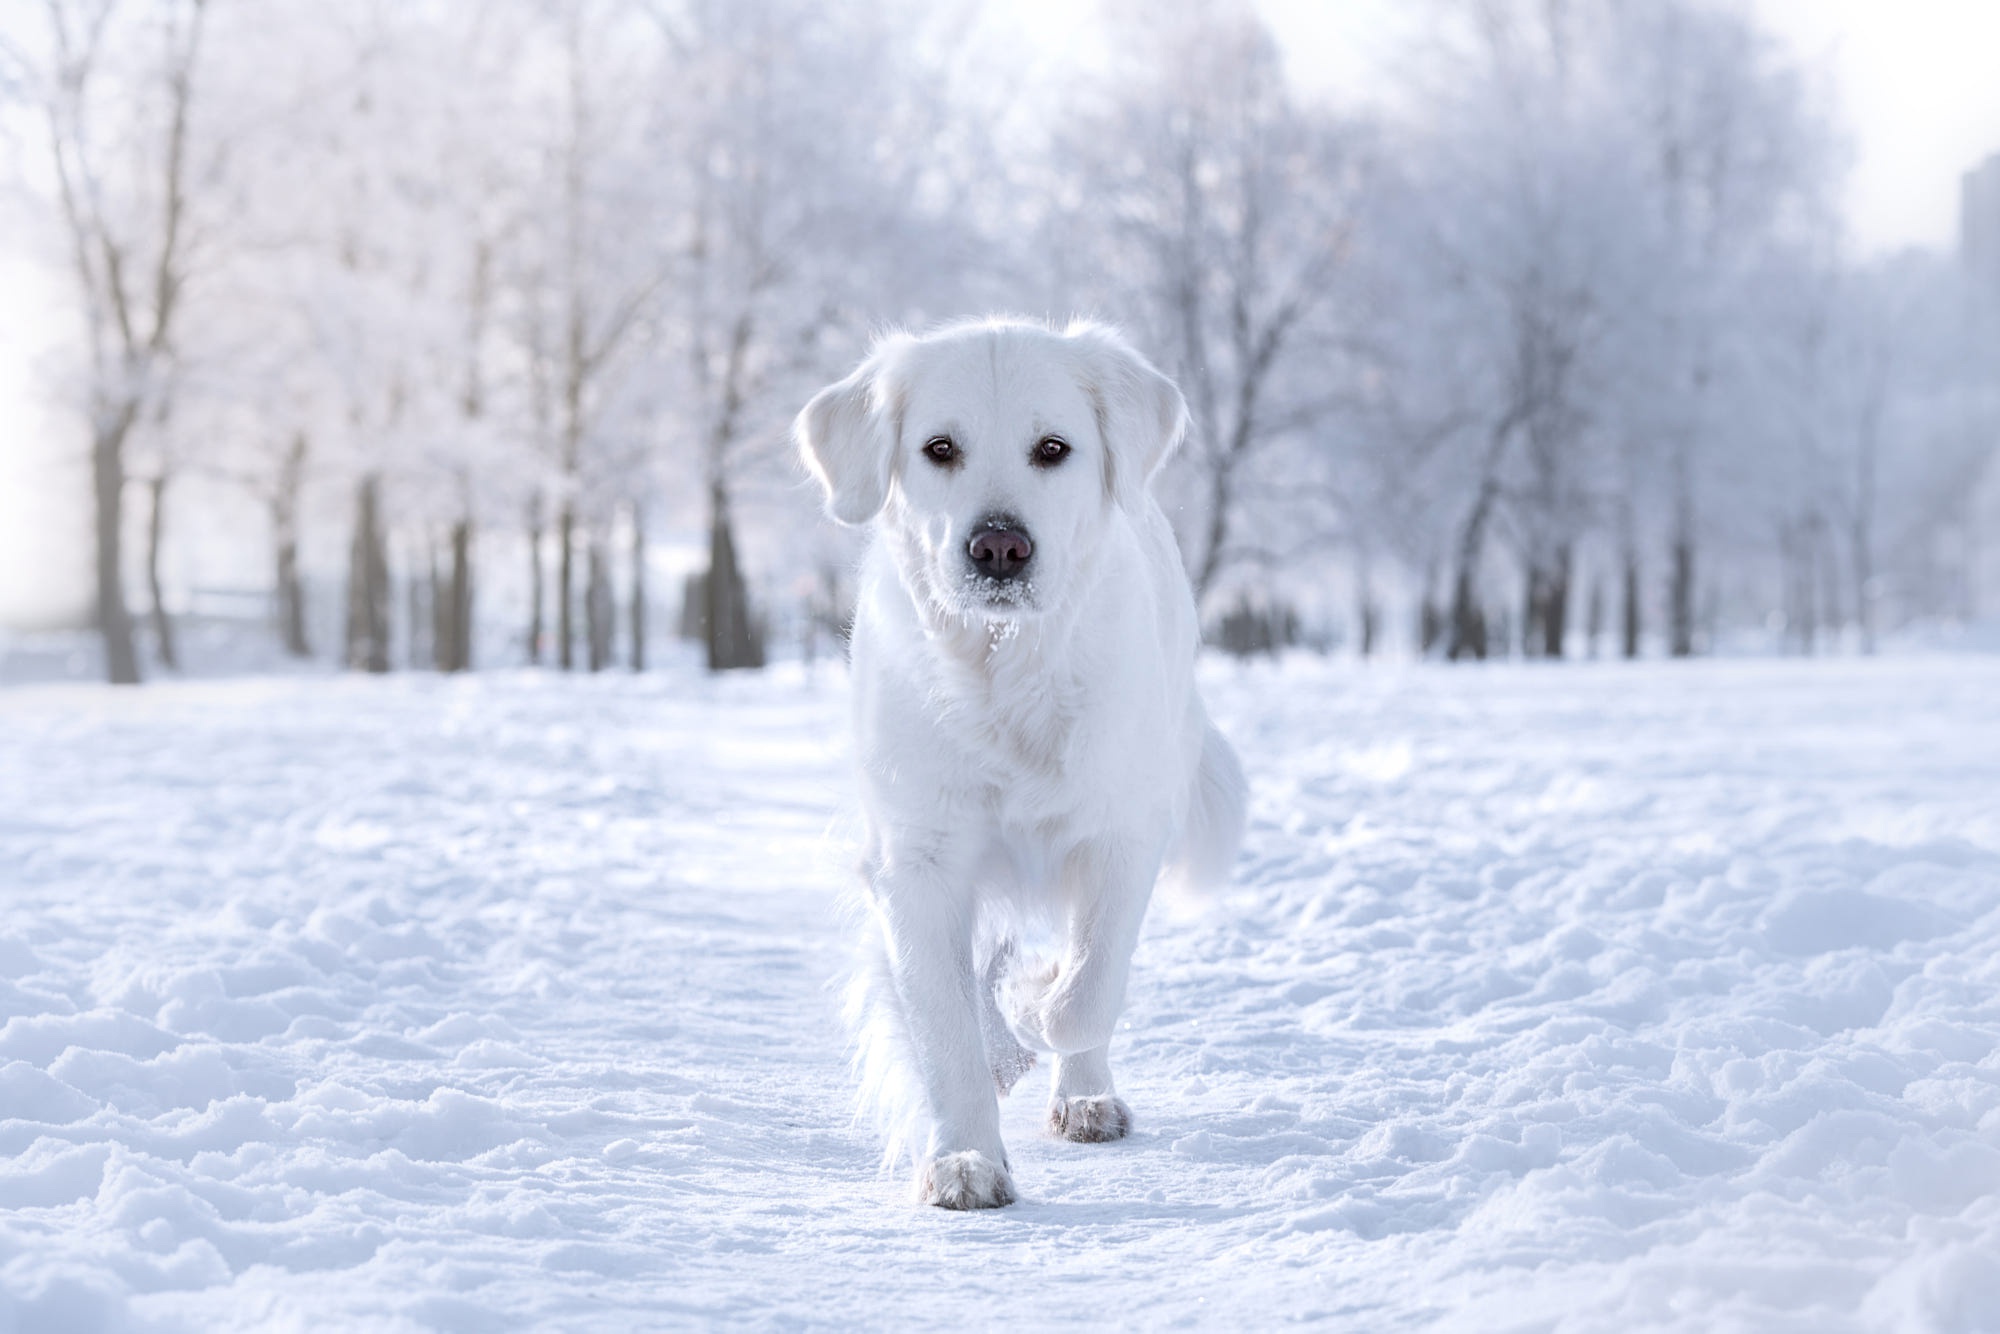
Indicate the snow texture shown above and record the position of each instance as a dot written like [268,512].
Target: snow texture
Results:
[1581,997]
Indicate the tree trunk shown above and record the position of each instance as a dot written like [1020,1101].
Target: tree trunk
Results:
[1862,540]
[451,603]
[1680,594]
[114,622]
[565,571]
[1553,615]
[1593,615]
[1807,595]
[291,600]
[535,580]
[1367,616]
[1826,565]
[1788,583]
[458,600]
[1630,618]
[1534,605]
[638,587]
[1864,584]
[285,537]
[423,642]
[1430,617]
[733,641]
[440,609]
[597,609]
[163,627]
[1468,619]
[1219,499]
[1795,553]
[368,584]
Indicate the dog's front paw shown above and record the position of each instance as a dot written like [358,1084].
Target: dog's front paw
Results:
[1097,1119]
[968,1180]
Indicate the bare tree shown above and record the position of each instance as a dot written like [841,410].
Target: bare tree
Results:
[1534,333]
[798,143]
[1239,204]
[1597,181]
[124,194]
[1733,155]
[1524,247]
[590,284]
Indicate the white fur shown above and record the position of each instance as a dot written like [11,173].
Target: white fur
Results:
[1032,755]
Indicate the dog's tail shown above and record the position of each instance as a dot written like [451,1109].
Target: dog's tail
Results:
[1214,828]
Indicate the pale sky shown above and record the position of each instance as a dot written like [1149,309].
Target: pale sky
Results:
[1918,81]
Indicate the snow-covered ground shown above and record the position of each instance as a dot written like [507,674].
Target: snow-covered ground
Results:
[1578,997]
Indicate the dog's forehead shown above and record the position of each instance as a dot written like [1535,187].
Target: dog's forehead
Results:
[1003,379]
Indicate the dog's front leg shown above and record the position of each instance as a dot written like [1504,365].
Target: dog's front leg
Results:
[963,1164]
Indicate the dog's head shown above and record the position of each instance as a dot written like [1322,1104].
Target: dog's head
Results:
[992,452]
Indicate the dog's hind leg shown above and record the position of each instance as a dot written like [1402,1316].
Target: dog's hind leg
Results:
[1005,1055]
[1072,1007]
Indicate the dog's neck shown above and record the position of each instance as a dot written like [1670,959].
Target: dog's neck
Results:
[1017,686]
[989,650]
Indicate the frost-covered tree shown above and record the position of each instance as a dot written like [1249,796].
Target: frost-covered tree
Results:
[116,87]
[589,268]
[808,210]
[1593,182]
[1562,331]
[1219,219]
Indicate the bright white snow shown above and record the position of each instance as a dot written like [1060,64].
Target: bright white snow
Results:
[1582,997]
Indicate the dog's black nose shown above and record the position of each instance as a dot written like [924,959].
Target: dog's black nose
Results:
[999,552]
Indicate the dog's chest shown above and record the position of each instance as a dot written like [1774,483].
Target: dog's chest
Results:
[1026,734]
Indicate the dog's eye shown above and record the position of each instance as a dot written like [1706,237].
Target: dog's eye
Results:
[940,449]
[1052,450]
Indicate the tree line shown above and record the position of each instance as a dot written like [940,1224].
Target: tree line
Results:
[1557,347]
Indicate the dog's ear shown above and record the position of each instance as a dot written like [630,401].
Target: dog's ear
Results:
[1140,412]
[847,434]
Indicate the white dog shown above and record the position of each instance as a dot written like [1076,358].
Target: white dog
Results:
[1031,745]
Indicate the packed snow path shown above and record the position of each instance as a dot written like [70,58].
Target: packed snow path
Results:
[1589,997]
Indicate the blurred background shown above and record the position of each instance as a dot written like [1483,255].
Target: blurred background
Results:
[450,335]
